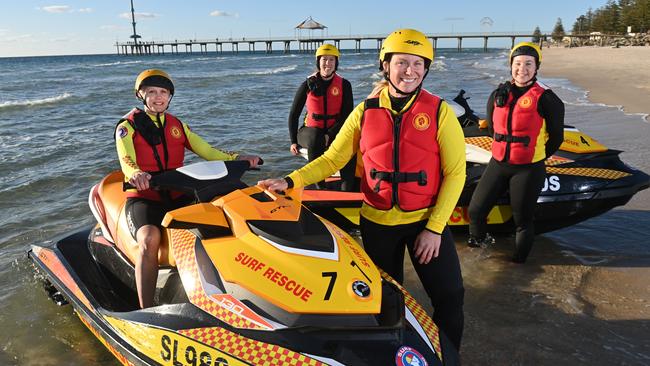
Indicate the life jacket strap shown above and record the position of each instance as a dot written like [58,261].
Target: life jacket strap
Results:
[324,117]
[510,138]
[398,177]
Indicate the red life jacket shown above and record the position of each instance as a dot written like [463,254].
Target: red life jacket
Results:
[517,126]
[401,156]
[323,110]
[175,142]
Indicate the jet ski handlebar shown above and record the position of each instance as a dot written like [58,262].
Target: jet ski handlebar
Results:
[203,181]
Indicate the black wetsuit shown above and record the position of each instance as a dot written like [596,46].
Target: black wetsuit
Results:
[441,278]
[313,138]
[524,181]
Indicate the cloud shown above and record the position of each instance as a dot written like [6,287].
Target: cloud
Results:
[16,38]
[59,9]
[56,9]
[139,15]
[219,13]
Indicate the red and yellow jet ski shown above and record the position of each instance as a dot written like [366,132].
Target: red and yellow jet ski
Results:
[583,179]
[247,277]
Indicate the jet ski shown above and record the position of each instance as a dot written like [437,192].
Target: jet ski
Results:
[583,179]
[247,277]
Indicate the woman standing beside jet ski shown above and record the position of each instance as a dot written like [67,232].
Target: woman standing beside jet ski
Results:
[151,141]
[526,120]
[414,171]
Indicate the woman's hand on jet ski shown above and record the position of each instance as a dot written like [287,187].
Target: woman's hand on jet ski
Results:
[140,180]
[274,185]
[253,160]
[295,149]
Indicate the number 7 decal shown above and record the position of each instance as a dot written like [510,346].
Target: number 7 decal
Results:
[330,287]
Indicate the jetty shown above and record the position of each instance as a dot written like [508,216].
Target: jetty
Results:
[287,44]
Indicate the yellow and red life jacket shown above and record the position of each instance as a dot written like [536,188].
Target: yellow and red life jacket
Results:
[323,110]
[517,126]
[156,155]
[401,155]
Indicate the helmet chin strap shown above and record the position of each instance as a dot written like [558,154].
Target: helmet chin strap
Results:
[387,77]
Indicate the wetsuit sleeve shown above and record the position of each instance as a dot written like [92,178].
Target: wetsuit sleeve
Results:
[203,149]
[551,108]
[299,101]
[489,112]
[452,161]
[346,109]
[125,149]
[342,149]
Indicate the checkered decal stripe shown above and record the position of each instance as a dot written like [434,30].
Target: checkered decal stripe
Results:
[485,143]
[247,350]
[425,321]
[589,172]
[183,249]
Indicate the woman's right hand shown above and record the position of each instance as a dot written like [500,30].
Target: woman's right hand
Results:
[275,184]
[295,149]
[140,180]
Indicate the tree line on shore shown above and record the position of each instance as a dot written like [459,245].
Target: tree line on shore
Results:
[614,18]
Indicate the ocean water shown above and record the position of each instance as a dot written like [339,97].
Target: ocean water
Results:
[57,116]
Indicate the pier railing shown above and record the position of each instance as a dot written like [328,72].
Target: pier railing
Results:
[304,44]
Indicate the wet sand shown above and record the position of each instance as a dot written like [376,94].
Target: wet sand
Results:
[613,76]
[553,310]
[562,307]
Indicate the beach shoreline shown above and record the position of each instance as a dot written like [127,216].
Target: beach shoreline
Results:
[611,76]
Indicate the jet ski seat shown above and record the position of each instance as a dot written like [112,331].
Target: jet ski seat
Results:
[112,198]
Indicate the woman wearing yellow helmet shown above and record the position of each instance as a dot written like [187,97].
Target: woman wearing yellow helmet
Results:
[413,156]
[329,101]
[150,141]
[526,120]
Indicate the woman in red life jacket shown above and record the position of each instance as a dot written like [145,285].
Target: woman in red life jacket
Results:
[329,101]
[151,141]
[526,120]
[413,156]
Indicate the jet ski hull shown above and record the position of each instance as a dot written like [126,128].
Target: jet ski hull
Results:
[182,334]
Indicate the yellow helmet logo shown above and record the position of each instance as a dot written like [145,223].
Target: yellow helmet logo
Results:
[408,41]
[526,48]
[154,77]
[328,50]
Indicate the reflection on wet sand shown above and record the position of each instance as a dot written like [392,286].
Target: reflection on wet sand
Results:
[553,310]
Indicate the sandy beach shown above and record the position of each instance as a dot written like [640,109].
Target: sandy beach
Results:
[613,76]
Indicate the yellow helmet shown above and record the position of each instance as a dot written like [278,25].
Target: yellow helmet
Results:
[408,41]
[154,77]
[528,49]
[328,50]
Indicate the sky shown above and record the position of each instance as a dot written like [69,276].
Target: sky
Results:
[67,27]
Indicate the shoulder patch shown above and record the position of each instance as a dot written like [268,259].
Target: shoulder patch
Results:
[121,132]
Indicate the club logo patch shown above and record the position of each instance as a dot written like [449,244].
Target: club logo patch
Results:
[407,356]
[175,132]
[525,102]
[122,132]
[335,91]
[422,121]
